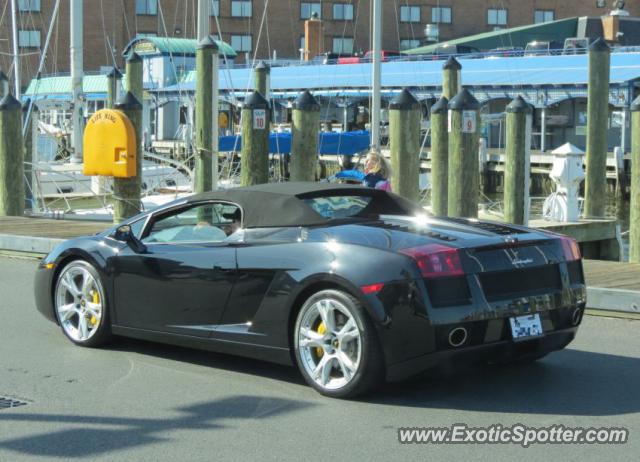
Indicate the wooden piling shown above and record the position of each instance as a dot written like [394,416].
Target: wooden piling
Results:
[133,76]
[262,74]
[439,157]
[451,78]
[11,165]
[304,138]
[204,113]
[634,222]
[515,167]
[4,84]
[463,187]
[126,191]
[254,166]
[114,77]
[597,123]
[405,115]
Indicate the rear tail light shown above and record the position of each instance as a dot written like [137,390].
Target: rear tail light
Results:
[435,260]
[570,248]
[372,289]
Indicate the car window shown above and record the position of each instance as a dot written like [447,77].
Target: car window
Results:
[338,206]
[211,222]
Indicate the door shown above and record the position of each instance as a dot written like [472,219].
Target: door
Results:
[181,283]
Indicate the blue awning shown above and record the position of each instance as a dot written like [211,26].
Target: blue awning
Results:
[348,143]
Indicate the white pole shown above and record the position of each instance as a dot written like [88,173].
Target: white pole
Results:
[76,78]
[375,74]
[204,15]
[543,129]
[16,48]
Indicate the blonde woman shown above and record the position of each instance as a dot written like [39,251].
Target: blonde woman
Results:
[377,172]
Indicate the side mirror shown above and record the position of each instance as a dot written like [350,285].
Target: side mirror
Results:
[125,234]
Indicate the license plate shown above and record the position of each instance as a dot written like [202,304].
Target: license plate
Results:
[523,327]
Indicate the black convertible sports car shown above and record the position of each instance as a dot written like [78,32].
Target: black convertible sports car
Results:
[353,285]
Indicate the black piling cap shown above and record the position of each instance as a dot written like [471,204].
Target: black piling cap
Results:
[133,57]
[441,106]
[128,101]
[207,43]
[635,106]
[3,77]
[599,45]
[306,102]
[255,101]
[262,66]
[405,101]
[464,100]
[114,73]
[519,105]
[9,103]
[452,64]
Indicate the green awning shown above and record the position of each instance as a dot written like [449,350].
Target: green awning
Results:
[173,46]
[515,37]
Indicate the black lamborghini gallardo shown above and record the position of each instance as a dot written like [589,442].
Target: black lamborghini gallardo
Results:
[352,285]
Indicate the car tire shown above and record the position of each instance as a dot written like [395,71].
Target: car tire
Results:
[80,305]
[349,348]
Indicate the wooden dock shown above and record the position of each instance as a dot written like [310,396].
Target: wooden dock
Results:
[47,228]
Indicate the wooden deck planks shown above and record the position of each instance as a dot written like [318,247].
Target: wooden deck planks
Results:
[41,227]
[612,275]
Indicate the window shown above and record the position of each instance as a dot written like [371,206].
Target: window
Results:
[215,7]
[441,15]
[29,39]
[343,46]
[543,16]
[241,8]
[407,44]
[211,222]
[338,206]
[149,7]
[241,43]
[342,12]
[29,5]
[307,9]
[409,14]
[496,17]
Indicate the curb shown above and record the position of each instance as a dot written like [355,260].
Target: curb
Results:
[627,301]
[28,244]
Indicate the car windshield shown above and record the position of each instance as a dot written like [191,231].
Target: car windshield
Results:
[338,206]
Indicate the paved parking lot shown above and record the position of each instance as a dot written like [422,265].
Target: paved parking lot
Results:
[147,402]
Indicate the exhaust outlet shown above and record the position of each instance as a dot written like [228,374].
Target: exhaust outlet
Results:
[576,316]
[457,336]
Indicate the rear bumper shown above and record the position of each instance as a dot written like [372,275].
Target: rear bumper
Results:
[497,351]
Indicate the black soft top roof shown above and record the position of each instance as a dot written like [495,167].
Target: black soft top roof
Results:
[282,204]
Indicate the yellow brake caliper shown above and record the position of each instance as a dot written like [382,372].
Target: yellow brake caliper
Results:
[95,298]
[321,330]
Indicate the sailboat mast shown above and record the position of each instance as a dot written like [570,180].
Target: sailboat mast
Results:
[76,78]
[375,75]
[16,48]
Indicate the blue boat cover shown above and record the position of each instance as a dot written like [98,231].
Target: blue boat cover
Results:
[346,144]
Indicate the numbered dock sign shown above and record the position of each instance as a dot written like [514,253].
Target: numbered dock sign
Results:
[259,119]
[469,124]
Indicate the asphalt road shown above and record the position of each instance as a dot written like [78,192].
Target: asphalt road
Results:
[139,401]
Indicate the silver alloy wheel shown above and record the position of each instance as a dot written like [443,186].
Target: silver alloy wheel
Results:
[329,343]
[79,301]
